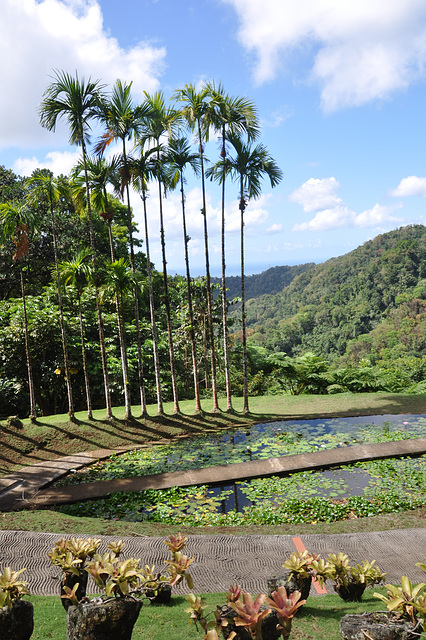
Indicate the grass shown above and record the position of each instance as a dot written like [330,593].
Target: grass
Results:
[55,436]
[319,618]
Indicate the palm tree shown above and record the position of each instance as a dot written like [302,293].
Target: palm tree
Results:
[161,121]
[77,101]
[231,115]
[179,156]
[100,173]
[122,120]
[17,222]
[120,281]
[197,111]
[76,273]
[45,189]
[248,166]
[142,169]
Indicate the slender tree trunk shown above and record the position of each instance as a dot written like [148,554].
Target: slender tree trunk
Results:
[224,300]
[62,321]
[152,313]
[135,293]
[124,363]
[167,301]
[83,355]
[98,306]
[209,293]
[190,309]
[33,409]
[243,307]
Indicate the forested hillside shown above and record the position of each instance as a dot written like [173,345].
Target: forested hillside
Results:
[377,291]
[271,281]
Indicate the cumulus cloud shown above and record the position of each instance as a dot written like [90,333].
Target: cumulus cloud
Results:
[57,162]
[331,212]
[38,36]
[411,186]
[360,50]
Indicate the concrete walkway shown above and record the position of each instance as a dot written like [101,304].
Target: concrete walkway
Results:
[222,560]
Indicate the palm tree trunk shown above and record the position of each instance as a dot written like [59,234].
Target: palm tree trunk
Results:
[224,300]
[33,409]
[98,306]
[152,312]
[208,283]
[135,292]
[167,301]
[190,309]
[62,322]
[243,307]
[124,363]
[83,355]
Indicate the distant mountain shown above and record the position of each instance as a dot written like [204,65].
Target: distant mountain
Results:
[377,291]
[271,281]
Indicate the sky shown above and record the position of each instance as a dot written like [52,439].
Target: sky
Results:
[340,89]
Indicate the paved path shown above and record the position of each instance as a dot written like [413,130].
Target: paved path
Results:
[222,560]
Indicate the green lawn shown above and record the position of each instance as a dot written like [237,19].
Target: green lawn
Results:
[319,618]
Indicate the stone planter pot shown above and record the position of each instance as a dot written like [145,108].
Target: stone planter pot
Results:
[292,582]
[352,593]
[69,580]
[163,596]
[17,623]
[379,625]
[107,620]
[269,625]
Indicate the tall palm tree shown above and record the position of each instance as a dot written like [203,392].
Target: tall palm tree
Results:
[120,281]
[143,169]
[17,222]
[76,273]
[121,120]
[77,101]
[161,122]
[45,189]
[230,115]
[248,166]
[178,157]
[197,111]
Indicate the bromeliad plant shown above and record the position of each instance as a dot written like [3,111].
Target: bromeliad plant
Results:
[11,589]
[349,582]
[248,614]
[407,601]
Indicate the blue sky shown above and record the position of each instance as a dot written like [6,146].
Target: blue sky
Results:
[340,89]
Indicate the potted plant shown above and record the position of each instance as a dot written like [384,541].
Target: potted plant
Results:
[243,618]
[298,574]
[111,615]
[71,556]
[16,615]
[349,582]
[404,619]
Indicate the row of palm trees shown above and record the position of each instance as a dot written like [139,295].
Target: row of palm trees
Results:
[160,152]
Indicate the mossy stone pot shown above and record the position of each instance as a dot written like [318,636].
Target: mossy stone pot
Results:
[17,623]
[379,625]
[71,579]
[351,592]
[106,620]
[292,582]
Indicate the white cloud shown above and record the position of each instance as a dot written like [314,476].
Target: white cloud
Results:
[55,161]
[411,186]
[361,50]
[320,196]
[274,228]
[38,36]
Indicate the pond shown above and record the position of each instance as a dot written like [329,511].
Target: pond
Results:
[366,481]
